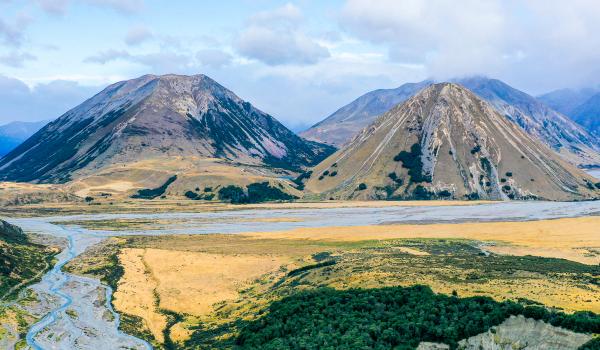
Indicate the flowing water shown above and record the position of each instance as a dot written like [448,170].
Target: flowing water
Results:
[84,318]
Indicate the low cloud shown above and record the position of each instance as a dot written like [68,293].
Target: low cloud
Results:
[16,59]
[43,102]
[276,38]
[158,62]
[535,45]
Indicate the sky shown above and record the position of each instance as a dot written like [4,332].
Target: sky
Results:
[296,60]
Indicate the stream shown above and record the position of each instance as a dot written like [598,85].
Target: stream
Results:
[81,315]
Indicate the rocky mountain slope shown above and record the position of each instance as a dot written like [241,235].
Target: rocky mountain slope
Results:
[12,134]
[158,117]
[560,133]
[445,142]
[557,131]
[338,128]
[588,115]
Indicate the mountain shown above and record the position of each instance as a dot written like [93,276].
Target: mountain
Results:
[12,134]
[557,131]
[165,121]
[566,100]
[343,124]
[588,115]
[446,142]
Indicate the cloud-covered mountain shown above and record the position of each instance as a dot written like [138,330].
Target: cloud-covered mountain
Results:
[566,100]
[158,117]
[446,142]
[588,115]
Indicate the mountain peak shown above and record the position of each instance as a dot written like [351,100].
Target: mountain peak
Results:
[154,116]
[446,142]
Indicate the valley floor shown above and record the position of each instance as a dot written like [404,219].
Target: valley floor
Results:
[176,288]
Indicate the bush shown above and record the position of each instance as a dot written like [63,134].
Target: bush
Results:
[233,194]
[257,193]
[475,149]
[89,199]
[156,192]
[362,187]
[263,192]
[333,173]
[421,193]
[509,174]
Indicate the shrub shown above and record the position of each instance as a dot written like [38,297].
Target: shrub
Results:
[191,195]
[475,149]
[362,186]
[156,192]
[421,193]
[333,173]
[89,199]
[509,174]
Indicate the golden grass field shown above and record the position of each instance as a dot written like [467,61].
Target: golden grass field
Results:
[217,279]
[576,239]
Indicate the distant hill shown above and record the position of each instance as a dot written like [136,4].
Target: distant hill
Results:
[167,120]
[14,133]
[588,115]
[566,100]
[446,142]
[574,143]
[339,128]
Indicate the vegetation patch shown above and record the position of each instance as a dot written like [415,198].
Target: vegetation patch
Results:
[21,261]
[256,193]
[311,267]
[299,181]
[386,318]
[155,192]
[412,161]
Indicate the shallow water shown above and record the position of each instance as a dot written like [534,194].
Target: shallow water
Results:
[81,294]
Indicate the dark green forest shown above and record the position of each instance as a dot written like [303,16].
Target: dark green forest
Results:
[389,318]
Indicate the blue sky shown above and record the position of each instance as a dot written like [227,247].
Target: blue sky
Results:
[298,61]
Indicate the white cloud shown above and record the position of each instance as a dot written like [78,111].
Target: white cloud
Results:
[137,35]
[107,56]
[213,58]
[123,6]
[533,43]
[158,62]
[54,7]
[277,37]
[13,34]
